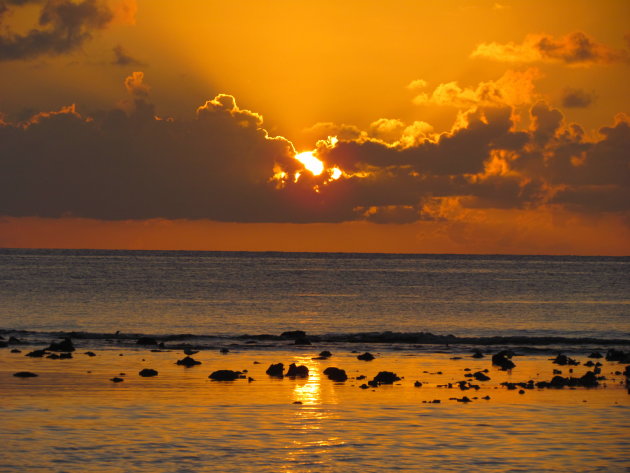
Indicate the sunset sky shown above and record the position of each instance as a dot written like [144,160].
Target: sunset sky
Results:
[297,125]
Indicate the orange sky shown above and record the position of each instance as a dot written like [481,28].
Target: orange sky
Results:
[459,126]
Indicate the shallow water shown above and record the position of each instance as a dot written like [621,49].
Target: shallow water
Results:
[70,420]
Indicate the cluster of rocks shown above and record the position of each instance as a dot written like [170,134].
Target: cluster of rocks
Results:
[277,371]
[383,377]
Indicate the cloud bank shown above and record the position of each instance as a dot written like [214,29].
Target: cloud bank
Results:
[575,49]
[129,163]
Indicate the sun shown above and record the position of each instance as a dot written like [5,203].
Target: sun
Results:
[310,162]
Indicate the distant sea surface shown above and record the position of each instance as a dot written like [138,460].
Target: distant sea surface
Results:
[231,294]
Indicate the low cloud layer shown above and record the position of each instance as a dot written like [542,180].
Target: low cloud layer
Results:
[63,26]
[129,163]
[576,49]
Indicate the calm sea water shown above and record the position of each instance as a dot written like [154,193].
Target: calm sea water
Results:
[73,418]
[208,293]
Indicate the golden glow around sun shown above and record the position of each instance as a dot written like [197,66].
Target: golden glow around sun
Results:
[310,162]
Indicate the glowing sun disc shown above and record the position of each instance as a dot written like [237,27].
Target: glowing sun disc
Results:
[310,162]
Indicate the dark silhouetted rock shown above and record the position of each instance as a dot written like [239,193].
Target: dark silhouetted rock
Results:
[618,355]
[25,374]
[276,370]
[417,384]
[477,354]
[116,380]
[480,376]
[364,386]
[148,372]
[386,377]
[188,362]
[336,374]
[293,334]
[503,360]
[15,350]
[190,351]
[15,341]
[589,380]
[325,354]
[3,344]
[148,341]
[65,356]
[90,353]
[225,351]
[225,375]
[53,356]
[596,354]
[295,371]
[367,356]
[63,346]
[564,360]
[627,372]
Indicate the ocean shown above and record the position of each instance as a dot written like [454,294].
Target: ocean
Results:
[231,294]
[433,321]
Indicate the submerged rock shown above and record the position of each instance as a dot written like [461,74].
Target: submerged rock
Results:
[63,346]
[188,362]
[324,355]
[148,372]
[480,376]
[564,360]
[336,374]
[90,353]
[16,350]
[385,377]
[276,370]
[116,379]
[367,356]
[295,371]
[25,374]
[225,375]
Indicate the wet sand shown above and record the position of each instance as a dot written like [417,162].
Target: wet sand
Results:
[72,417]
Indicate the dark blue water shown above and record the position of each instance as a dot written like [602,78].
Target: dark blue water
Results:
[208,293]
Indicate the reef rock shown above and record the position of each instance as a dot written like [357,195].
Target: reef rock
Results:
[295,371]
[336,374]
[276,370]
[188,362]
[225,375]
[367,356]
[148,372]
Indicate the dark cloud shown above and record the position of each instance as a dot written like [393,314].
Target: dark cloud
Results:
[122,58]
[128,163]
[63,26]
[577,98]
[576,48]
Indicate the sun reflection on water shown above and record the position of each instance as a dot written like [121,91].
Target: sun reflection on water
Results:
[312,443]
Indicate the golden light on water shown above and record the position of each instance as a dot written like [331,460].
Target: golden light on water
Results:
[310,162]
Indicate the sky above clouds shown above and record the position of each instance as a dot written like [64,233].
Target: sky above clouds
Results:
[290,125]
